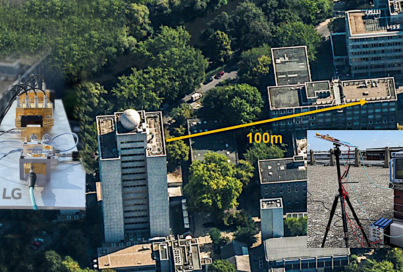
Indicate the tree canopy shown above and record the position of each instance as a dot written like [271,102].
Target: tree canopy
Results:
[213,186]
[254,66]
[235,104]
[262,151]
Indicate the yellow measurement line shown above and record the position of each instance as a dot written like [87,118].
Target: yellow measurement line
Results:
[362,102]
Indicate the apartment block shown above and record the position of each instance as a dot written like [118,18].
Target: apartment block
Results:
[133,175]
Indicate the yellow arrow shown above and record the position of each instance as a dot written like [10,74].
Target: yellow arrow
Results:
[362,102]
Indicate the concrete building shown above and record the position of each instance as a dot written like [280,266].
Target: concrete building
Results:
[284,178]
[166,255]
[221,143]
[291,65]
[378,113]
[133,175]
[271,215]
[372,43]
[291,254]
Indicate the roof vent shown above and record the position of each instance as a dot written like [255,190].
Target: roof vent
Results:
[301,168]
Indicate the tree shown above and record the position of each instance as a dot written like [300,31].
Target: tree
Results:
[298,33]
[52,262]
[213,187]
[90,102]
[262,151]
[75,243]
[222,266]
[140,90]
[249,27]
[246,234]
[215,236]
[181,113]
[254,65]
[180,66]
[296,226]
[138,20]
[395,256]
[235,104]
[220,47]
[337,25]
[177,152]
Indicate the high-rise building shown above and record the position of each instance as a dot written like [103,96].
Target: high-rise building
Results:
[133,175]
[271,215]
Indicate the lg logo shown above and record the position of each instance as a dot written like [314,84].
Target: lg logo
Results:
[15,194]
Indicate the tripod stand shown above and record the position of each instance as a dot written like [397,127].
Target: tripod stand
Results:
[343,196]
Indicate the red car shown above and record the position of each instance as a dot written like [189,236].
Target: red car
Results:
[37,244]
[219,75]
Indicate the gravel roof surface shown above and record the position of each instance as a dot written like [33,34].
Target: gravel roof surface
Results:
[322,186]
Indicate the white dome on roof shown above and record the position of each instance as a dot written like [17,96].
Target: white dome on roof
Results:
[130,119]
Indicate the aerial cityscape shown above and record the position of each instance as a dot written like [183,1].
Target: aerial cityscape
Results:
[201,135]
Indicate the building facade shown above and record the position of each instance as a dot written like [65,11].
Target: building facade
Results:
[133,175]
[379,112]
[271,215]
[284,178]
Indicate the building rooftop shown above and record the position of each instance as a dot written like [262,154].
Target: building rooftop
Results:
[361,22]
[234,248]
[271,203]
[241,263]
[339,44]
[186,255]
[326,93]
[395,7]
[134,256]
[221,143]
[286,248]
[282,170]
[291,65]
[109,126]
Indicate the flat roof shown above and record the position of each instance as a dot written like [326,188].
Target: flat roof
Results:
[339,45]
[291,65]
[278,249]
[281,170]
[369,89]
[369,22]
[222,143]
[66,189]
[395,7]
[186,254]
[271,203]
[109,126]
[315,93]
[133,256]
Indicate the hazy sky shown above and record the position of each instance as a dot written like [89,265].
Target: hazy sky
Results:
[361,138]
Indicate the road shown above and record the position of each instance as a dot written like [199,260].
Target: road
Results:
[205,88]
[323,29]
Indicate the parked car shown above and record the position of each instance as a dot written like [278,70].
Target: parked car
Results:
[196,96]
[219,75]
[208,80]
[40,240]
[37,244]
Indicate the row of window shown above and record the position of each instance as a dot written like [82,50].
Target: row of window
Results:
[136,179]
[376,66]
[131,155]
[136,173]
[134,186]
[356,46]
[131,142]
[289,191]
[138,216]
[130,148]
[139,210]
[133,167]
[123,161]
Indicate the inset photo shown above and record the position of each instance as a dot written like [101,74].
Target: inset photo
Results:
[355,188]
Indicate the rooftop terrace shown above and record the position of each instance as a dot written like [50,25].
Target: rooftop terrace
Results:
[369,22]
[282,170]
[291,65]
[326,93]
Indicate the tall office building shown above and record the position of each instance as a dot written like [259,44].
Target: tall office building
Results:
[271,215]
[378,113]
[372,43]
[133,175]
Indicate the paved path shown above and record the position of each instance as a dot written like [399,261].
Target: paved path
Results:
[323,29]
